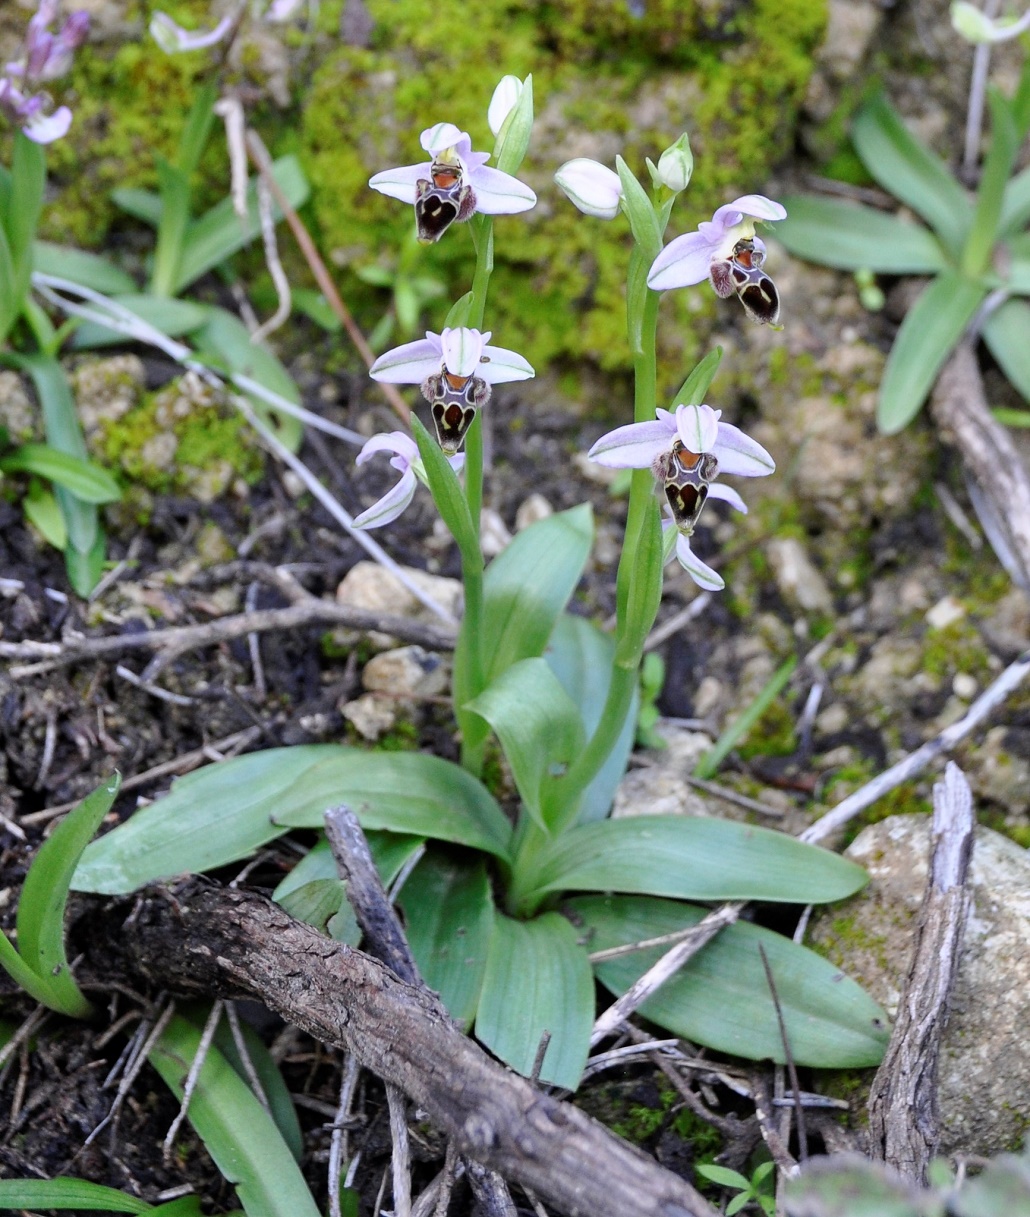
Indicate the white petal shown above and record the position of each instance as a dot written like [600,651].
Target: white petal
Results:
[409,364]
[591,186]
[702,575]
[398,443]
[727,494]
[390,506]
[632,447]
[44,129]
[739,454]
[500,194]
[502,365]
[757,206]
[505,99]
[698,427]
[171,37]
[682,263]
[462,349]
[441,137]
[400,183]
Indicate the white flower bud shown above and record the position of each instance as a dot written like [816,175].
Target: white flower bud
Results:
[976,27]
[505,99]
[592,187]
[676,164]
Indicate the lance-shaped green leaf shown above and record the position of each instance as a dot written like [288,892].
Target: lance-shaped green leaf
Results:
[721,998]
[171,231]
[537,980]
[390,852]
[852,237]
[932,327]
[640,212]
[694,389]
[66,1193]
[170,316]
[28,184]
[990,195]
[1007,334]
[693,858]
[141,204]
[447,494]
[643,592]
[449,916]
[90,270]
[224,812]
[581,657]
[11,302]
[907,169]
[540,730]
[85,480]
[237,1131]
[1015,206]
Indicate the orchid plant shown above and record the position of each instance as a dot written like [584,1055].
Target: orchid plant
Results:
[502,911]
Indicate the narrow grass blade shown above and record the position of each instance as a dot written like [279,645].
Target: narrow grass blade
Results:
[68,1194]
[708,766]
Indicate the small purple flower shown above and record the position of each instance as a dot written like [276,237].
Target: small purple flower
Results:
[455,370]
[453,186]
[687,451]
[405,459]
[46,56]
[725,251]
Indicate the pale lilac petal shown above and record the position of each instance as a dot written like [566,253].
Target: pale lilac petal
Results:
[409,364]
[171,37]
[716,490]
[400,183]
[759,207]
[282,10]
[398,442]
[500,194]
[698,428]
[390,506]
[702,574]
[739,454]
[473,160]
[457,461]
[501,365]
[682,263]
[443,136]
[44,129]
[632,447]
[462,350]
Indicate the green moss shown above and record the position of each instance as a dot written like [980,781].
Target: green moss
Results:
[402,737]
[957,647]
[640,1117]
[850,937]
[772,735]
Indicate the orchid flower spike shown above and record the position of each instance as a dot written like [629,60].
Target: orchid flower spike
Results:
[454,370]
[686,451]
[725,251]
[46,56]
[405,459]
[453,186]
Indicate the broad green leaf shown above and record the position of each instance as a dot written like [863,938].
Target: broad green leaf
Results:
[693,390]
[90,270]
[1007,334]
[997,166]
[537,979]
[238,1133]
[142,205]
[640,212]
[226,341]
[1015,206]
[224,812]
[932,327]
[721,998]
[390,852]
[907,169]
[315,306]
[86,481]
[170,316]
[45,893]
[737,730]
[86,567]
[852,237]
[67,1193]
[1017,279]
[580,655]
[693,858]
[315,902]
[268,1074]
[449,916]
[220,232]
[850,1186]
[540,730]
[41,509]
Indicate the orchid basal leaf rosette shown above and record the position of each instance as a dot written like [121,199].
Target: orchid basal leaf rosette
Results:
[687,450]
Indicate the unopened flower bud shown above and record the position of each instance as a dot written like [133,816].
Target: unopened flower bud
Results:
[976,27]
[505,99]
[676,164]
[591,187]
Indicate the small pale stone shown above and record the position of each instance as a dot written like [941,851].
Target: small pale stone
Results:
[293,484]
[367,585]
[799,581]
[964,686]
[707,696]
[661,788]
[159,451]
[833,719]
[406,672]
[17,415]
[531,510]
[493,533]
[370,715]
[107,389]
[945,612]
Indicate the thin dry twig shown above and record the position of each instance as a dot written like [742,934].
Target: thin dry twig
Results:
[188,1087]
[787,1052]
[146,1037]
[916,762]
[400,1158]
[338,1147]
[904,1120]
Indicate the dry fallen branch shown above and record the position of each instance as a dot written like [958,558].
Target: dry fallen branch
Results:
[201,940]
[904,1121]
